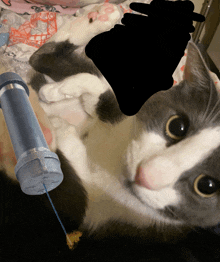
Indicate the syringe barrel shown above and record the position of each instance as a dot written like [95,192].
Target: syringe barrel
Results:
[23,127]
[36,164]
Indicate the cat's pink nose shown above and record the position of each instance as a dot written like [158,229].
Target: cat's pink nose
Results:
[156,174]
[140,178]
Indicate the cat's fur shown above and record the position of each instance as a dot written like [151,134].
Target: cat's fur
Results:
[105,148]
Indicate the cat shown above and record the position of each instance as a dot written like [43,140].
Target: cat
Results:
[153,176]
[157,169]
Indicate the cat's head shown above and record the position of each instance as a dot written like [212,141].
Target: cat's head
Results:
[174,161]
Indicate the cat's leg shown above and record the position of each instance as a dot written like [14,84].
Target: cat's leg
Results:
[69,142]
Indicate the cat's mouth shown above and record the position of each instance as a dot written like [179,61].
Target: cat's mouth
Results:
[162,200]
[168,212]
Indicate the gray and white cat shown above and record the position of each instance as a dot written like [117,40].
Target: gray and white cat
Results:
[157,169]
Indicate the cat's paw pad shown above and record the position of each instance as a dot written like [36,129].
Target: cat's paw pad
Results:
[104,13]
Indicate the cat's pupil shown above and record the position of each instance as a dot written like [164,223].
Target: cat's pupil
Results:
[207,185]
[177,127]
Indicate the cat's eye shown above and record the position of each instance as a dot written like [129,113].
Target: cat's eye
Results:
[177,127]
[205,186]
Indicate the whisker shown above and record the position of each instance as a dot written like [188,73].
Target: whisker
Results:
[207,114]
[135,126]
[212,116]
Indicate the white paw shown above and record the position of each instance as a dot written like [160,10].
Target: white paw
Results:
[50,93]
[95,20]
[84,88]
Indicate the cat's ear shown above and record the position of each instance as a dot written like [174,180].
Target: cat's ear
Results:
[196,71]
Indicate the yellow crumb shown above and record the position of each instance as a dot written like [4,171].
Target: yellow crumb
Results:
[73,238]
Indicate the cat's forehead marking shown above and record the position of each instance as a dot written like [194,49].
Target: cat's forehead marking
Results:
[174,161]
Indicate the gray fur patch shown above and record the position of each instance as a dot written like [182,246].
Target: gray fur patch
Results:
[58,60]
[108,109]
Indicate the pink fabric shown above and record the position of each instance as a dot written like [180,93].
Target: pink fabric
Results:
[69,3]
[62,7]
[32,7]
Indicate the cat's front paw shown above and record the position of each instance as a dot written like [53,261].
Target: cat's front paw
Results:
[76,95]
